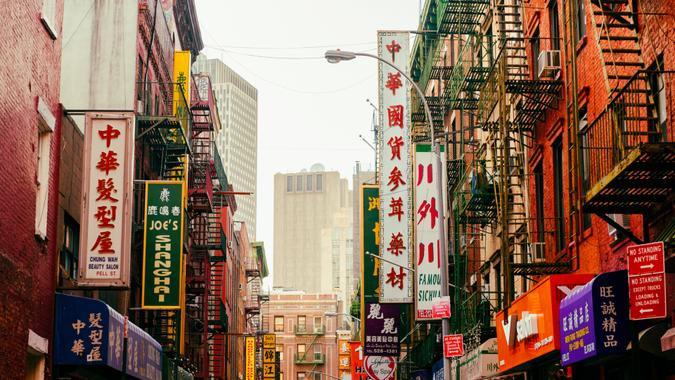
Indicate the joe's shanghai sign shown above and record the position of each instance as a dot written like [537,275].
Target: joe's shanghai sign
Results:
[162,245]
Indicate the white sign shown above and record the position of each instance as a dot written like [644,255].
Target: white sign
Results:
[380,367]
[106,200]
[428,231]
[520,329]
[395,176]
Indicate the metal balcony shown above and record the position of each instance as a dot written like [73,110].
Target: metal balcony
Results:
[304,330]
[311,359]
[628,152]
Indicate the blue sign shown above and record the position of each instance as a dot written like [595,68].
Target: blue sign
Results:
[437,370]
[88,332]
[594,318]
[144,355]
[91,333]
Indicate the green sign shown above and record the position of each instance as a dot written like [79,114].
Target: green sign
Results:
[370,231]
[162,245]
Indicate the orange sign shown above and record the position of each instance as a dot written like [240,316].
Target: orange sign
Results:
[531,328]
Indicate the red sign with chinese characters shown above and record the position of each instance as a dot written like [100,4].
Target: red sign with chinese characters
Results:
[356,361]
[395,176]
[105,230]
[453,345]
[646,258]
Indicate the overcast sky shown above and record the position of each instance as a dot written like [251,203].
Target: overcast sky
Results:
[309,111]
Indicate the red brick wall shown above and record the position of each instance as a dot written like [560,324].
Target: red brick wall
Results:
[30,68]
[598,252]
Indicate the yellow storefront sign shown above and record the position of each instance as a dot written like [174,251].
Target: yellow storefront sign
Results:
[250,358]
[269,341]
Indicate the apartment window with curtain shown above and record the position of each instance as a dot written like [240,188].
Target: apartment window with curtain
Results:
[301,376]
[302,348]
[302,323]
[558,193]
[278,323]
[554,23]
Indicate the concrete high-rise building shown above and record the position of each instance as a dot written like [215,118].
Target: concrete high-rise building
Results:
[237,141]
[358,178]
[312,231]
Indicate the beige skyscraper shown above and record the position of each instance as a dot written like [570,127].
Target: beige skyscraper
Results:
[313,232]
[237,142]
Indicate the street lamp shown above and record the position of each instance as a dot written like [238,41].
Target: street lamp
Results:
[334,314]
[336,56]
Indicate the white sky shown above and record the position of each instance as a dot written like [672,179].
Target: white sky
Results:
[308,110]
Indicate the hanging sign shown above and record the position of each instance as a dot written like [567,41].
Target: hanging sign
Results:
[427,230]
[107,190]
[395,177]
[453,345]
[381,329]
[163,245]
[647,281]
[250,357]
[380,367]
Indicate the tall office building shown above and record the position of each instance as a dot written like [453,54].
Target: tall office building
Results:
[237,141]
[358,178]
[312,231]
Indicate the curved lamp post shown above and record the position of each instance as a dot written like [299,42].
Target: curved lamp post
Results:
[336,56]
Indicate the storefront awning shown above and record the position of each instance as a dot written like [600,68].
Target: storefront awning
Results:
[90,333]
[594,318]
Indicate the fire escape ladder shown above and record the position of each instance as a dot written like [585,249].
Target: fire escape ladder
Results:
[615,30]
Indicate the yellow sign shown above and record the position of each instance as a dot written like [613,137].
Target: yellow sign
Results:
[269,355]
[269,341]
[268,371]
[181,79]
[250,358]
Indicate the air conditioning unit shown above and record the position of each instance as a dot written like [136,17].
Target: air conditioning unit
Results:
[538,252]
[549,64]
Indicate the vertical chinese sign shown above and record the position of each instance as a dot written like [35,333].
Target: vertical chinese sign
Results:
[344,353]
[356,361]
[427,230]
[162,245]
[381,325]
[395,149]
[370,235]
[269,356]
[181,89]
[250,357]
[106,202]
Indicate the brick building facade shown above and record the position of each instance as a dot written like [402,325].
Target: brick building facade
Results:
[30,150]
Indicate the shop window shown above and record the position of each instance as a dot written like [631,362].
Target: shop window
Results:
[558,193]
[69,251]
[278,323]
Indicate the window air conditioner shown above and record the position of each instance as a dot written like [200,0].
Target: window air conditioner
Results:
[549,64]
[538,252]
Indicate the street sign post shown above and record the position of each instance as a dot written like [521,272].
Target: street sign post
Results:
[453,345]
[647,281]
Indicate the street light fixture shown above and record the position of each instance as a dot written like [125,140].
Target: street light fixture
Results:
[336,56]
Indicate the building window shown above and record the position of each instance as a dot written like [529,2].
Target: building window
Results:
[302,323]
[536,48]
[48,17]
[554,21]
[581,20]
[301,350]
[621,219]
[319,182]
[317,323]
[298,183]
[42,176]
[585,162]
[539,193]
[69,251]
[280,350]
[310,181]
[301,376]
[558,193]
[289,184]
[658,88]
[316,376]
[278,323]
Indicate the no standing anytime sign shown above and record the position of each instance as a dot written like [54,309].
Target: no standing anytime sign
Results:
[647,281]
